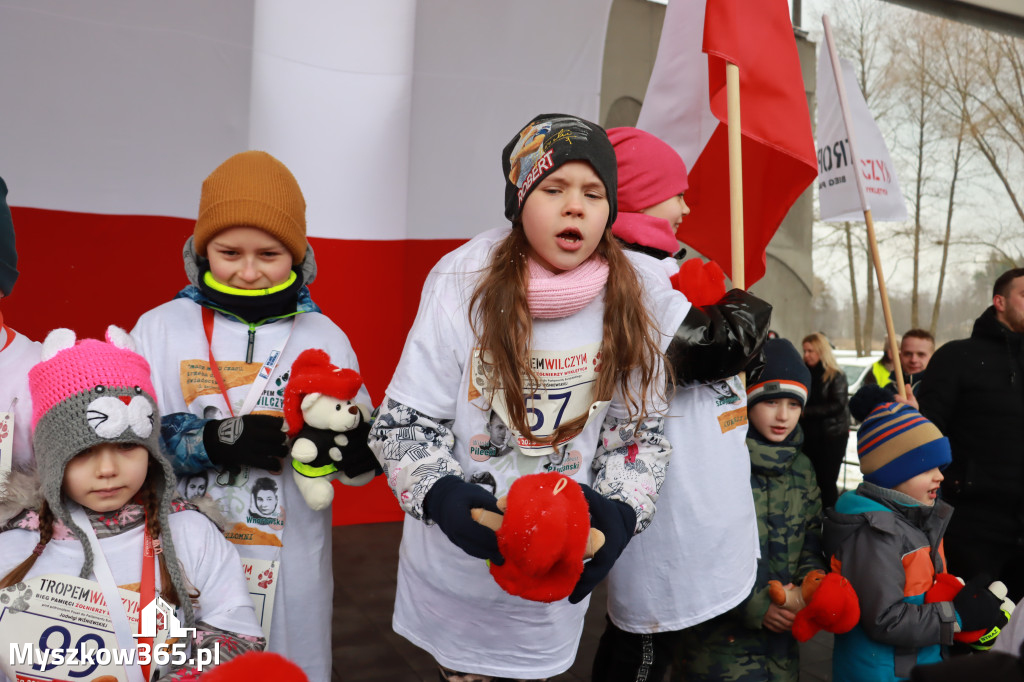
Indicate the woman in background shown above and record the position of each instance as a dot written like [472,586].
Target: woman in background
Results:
[826,417]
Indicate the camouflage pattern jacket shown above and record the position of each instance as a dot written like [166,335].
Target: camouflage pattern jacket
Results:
[735,646]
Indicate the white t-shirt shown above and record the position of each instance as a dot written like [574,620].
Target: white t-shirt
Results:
[210,563]
[698,559]
[15,361]
[173,339]
[447,602]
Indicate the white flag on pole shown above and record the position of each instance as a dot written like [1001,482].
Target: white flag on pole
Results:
[837,187]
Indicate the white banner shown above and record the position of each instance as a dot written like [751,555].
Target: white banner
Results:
[837,187]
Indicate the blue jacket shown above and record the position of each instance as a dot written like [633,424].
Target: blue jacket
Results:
[890,548]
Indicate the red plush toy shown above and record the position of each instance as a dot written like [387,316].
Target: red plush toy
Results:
[945,588]
[544,535]
[823,602]
[701,283]
[256,666]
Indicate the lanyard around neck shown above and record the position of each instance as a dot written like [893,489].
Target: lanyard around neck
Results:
[118,618]
[266,371]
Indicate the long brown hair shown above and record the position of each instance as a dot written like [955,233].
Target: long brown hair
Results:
[500,314]
[150,502]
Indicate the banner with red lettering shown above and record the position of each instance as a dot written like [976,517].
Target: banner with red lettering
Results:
[837,186]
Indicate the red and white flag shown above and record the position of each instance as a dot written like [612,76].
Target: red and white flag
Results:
[685,105]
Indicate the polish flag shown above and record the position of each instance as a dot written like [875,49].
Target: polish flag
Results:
[685,105]
[390,113]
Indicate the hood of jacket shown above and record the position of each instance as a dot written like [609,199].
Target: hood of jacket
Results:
[988,326]
[877,507]
[195,264]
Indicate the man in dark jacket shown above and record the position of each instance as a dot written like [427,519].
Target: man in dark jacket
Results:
[974,392]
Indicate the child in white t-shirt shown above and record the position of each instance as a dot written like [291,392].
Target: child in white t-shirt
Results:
[547,326]
[700,558]
[101,507]
[222,352]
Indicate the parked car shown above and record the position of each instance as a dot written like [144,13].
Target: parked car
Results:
[856,370]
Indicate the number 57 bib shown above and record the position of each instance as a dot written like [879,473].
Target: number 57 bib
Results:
[568,380]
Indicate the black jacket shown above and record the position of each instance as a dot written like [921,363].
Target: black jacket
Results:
[973,391]
[827,412]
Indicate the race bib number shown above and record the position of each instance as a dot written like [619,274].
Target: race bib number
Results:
[262,576]
[54,627]
[567,379]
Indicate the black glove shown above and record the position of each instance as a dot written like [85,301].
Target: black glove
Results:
[357,457]
[448,504]
[617,521]
[254,439]
[977,607]
[722,339]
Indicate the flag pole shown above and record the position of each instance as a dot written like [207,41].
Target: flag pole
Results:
[732,90]
[868,220]
[732,85]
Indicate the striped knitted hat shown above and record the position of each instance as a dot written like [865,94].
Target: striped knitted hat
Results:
[784,376]
[253,189]
[896,443]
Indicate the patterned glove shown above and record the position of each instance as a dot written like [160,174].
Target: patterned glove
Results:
[256,440]
[617,521]
[448,504]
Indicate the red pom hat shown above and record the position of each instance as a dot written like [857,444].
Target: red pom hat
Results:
[650,171]
[312,372]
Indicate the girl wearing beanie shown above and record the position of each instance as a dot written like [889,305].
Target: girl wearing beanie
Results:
[673,576]
[886,538]
[101,507]
[221,352]
[546,325]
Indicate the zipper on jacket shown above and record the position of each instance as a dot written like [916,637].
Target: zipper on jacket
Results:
[252,342]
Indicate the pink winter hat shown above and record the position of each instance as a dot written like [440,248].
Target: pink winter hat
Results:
[650,172]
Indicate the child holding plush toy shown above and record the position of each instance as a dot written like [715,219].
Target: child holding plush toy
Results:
[886,538]
[552,311]
[753,640]
[221,353]
[700,558]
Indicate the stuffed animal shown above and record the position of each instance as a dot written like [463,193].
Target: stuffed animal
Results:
[254,666]
[822,602]
[544,535]
[947,586]
[327,427]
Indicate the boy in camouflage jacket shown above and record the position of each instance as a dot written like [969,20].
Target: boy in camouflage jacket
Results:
[752,642]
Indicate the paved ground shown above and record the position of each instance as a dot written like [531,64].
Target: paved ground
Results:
[365,648]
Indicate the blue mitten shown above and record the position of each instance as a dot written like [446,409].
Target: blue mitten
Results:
[617,521]
[448,504]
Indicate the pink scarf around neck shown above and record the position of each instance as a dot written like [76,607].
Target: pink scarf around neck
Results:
[553,295]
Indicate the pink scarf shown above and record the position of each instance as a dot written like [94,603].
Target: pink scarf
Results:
[553,295]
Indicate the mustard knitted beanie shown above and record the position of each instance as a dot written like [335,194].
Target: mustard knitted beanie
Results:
[253,189]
